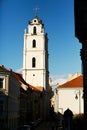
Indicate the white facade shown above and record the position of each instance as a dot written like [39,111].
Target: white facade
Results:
[71,98]
[35,55]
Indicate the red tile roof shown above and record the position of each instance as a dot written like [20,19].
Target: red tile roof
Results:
[19,77]
[74,83]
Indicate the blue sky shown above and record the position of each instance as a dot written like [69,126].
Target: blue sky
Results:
[58,19]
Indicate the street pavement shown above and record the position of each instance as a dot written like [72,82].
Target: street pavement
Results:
[43,126]
[46,126]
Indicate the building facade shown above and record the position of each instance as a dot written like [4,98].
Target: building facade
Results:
[20,103]
[70,95]
[9,99]
[54,100]
[35,54]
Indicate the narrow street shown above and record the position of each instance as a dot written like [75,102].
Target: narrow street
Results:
[43,126]
[46,126]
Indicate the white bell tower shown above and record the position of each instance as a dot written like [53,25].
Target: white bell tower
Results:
[35,54]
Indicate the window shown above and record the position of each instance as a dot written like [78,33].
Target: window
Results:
[34,44]
[1,82]
[34,20]
[33,62]
[34,30]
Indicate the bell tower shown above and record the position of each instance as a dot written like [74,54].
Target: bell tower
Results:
[35,54]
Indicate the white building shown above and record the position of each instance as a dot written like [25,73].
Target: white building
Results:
[35,56]
[70,95]
[35,60]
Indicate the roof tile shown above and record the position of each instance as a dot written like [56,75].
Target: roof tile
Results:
[76,82]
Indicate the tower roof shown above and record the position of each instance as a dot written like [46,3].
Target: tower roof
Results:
[36,20]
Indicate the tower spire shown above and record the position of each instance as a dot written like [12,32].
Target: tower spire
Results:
[36,10]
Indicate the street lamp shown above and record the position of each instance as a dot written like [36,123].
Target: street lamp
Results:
[78,97]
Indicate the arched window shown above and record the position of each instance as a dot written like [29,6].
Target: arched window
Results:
[33,62]
[34,30]
[34,44]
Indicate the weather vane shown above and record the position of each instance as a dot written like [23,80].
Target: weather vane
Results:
[36,11]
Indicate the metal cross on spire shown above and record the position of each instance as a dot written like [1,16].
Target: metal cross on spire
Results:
[36,11]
